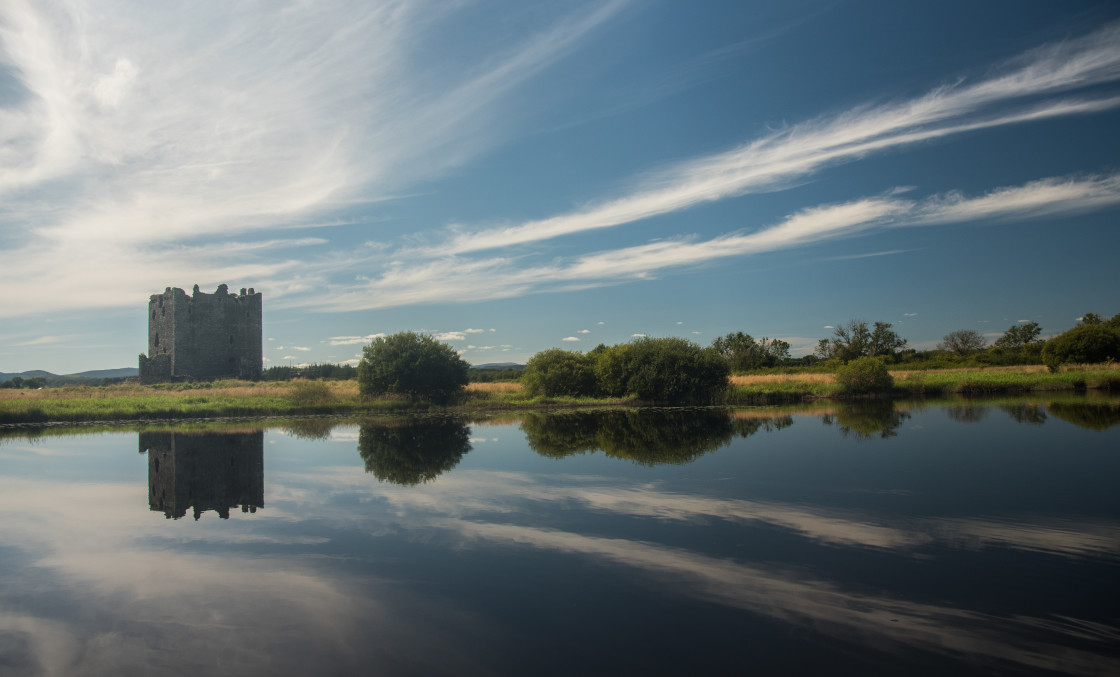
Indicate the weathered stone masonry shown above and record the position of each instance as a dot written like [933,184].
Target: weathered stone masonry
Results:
[202,336]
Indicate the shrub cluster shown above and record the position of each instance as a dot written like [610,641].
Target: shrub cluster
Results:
[1086,343]
[654,369]
[411,364]
[864,375]
[559,373]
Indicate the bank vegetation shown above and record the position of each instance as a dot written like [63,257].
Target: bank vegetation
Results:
[224,399]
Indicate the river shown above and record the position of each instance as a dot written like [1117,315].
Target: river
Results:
[964,537]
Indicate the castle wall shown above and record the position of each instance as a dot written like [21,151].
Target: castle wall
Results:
[203,336]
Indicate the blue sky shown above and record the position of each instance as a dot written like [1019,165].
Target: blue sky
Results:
[517,176]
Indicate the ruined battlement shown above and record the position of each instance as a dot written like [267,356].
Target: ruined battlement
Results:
[203,336]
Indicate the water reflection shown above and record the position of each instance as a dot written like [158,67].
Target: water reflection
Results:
[1025,412]
[413,451]
[867,418]
[310,428]
[646,436]
[1094,416]
[204,470]
[969,412]
[987,548]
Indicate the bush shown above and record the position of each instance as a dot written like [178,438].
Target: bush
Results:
[559,373]
[411,364]
[612,369]
[864,375]
[674,370]
[1087,343]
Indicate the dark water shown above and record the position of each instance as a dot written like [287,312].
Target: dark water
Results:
[959,539]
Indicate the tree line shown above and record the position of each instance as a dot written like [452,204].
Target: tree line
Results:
[677,370]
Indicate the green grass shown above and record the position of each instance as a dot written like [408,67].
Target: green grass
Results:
[166,406]
[239,399]
[989,382]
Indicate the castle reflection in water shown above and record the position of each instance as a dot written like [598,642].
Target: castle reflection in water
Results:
[204,471]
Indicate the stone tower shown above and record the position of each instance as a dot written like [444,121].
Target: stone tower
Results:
[202,336]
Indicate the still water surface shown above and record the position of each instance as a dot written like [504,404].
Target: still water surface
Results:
[890,539]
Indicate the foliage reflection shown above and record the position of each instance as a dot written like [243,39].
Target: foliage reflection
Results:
[1095,416]
[647,436]
[412,451]
[867,418]
[1025,412]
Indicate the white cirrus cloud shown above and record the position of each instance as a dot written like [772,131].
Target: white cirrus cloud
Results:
[500,277]
[784,156]
[139,114]
[353,340]
[570,338]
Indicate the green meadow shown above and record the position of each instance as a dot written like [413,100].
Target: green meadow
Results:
[226,399]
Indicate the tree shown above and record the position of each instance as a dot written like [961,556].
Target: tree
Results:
[744,353]
[963,342]
[825,350]
[411,364]
[1019,335]
[856,339]
[1094,318]
[885,342]
[1086,343]
[559,373]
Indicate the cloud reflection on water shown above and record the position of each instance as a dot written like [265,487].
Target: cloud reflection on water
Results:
[316,578]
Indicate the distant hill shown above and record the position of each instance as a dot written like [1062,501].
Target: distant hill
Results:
[80,377]
[499,365]
[4,376]
[123,372]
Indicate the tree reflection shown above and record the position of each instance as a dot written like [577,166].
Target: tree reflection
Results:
[665,436]
[1023,412]
[647,436]
[414,451]
[1094,416]
[867,418]
[967,413]
[309,428]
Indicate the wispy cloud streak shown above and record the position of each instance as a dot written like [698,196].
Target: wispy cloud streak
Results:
[448,280]
[790,154]
[137,128]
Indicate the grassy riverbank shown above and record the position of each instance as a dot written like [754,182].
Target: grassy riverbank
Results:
[764,388]
[299,398]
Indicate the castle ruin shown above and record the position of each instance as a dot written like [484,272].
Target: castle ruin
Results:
[202,336]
